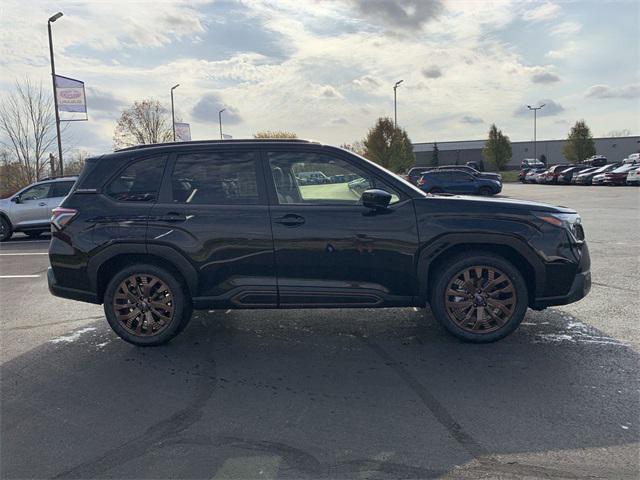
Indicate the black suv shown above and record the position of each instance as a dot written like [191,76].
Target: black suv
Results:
[155,231]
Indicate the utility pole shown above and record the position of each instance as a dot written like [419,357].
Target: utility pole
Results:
[55,95]
[395,103]
[220,122]
[173,115]
[535,133]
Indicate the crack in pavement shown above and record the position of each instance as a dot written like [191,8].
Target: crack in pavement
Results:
[616,288]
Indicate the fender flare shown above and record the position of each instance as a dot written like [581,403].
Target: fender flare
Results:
[431,252]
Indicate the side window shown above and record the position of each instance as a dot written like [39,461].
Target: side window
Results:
[215,178]
[61,189]
[302,177]
[37,192]
[139,182]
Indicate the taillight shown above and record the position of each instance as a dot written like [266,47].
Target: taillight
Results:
[62,216]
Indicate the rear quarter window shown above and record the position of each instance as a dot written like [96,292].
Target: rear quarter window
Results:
[139,181]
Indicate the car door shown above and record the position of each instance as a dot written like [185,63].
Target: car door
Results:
[30,206]
[58,191]
[213,211]
[329,249]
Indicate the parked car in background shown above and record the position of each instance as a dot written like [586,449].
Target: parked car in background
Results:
[29,210]
[532,175]
[532,163]
[472,171]
[576,173]
[596,161]
[585,177]
[619,175]
[566,175]
[414,174]
[313,178]
[633,158]
[474,165]
[633,177]
[551,175]
[458,181]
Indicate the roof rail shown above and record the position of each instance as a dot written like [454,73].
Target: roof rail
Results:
[208,142]
[55,177]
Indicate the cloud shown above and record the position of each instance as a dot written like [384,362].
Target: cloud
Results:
[546,11]
[329,91]
[432,71]
[550,109]
[605,91]
[566,29]
[570,48]
[471,120]
[545,77]
[338,121]
[400,15]
[207,108]
[104,101]
[366,81]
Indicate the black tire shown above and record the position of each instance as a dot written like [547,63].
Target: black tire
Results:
[174,292]
[34,234]
[485,191]
[441,303]
[5,229]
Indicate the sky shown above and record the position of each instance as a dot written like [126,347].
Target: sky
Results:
[325,69]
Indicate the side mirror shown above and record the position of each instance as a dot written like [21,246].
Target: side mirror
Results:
[16,199]
[376,199]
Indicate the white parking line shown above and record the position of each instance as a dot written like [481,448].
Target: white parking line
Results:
[19,276]
[22,253]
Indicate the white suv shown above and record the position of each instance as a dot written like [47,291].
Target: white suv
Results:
[29,210]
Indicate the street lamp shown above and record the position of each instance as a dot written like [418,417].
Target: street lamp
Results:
[173,115]
[55,96]
[220,121]
[395,103]
[535,119]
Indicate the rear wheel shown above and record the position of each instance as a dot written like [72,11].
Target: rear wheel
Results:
[479,297]
[146,305]
[5,229]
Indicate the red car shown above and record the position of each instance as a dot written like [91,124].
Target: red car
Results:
[619,175]
[554,172]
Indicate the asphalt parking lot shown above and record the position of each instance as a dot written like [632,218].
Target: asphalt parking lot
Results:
[330,393]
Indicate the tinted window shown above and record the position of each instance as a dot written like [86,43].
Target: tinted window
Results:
[215,178]
[302,177]
[37,192]
[61,189]
[139,182]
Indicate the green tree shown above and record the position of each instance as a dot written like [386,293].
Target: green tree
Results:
[274,134]
[434,155]
[580,144]
[389,146]
[497,149]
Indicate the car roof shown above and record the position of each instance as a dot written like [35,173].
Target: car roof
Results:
[218,142]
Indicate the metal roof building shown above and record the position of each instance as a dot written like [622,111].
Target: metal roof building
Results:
[460,152]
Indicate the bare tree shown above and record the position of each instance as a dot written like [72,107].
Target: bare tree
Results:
[75,162]
[275,134]
[144,122]
[27,129]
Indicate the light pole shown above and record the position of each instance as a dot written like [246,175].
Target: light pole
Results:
[220,121]
[55,96]
[535,121]
[395,103]
[173,115]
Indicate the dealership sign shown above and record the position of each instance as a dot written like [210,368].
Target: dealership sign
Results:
[183,132]
[70,95]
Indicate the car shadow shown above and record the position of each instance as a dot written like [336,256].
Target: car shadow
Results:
[324,394]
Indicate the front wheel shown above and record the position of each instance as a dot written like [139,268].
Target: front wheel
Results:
[479,297]
[485,191]
[5,229]
[146,305]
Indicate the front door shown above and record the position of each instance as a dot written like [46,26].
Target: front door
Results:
[330,249]
[30,209]
[213,211]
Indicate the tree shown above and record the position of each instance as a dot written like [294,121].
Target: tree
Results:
[27,130]
[389,146]
[355,147]
[434,155]
[580,144]
[497,149]
[274,134]
[74,165]
[144,122]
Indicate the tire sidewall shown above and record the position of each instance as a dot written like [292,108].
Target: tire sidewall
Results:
[182,305]
[8,229]
[468,260]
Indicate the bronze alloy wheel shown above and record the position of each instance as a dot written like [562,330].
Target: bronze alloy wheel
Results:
[480,299]
[143,305]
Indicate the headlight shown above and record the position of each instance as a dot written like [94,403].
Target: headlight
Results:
[570,221]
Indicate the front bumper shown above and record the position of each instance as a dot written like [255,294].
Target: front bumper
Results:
[70,293]
[579,289]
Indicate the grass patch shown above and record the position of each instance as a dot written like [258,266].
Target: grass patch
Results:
[509,176]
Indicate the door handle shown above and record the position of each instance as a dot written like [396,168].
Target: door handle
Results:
[173,217]
[290,220]
[42,204]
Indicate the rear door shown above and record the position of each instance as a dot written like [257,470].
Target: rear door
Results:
[330,249]
[213,211]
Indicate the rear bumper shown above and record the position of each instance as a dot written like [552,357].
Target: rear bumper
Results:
[70,293]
